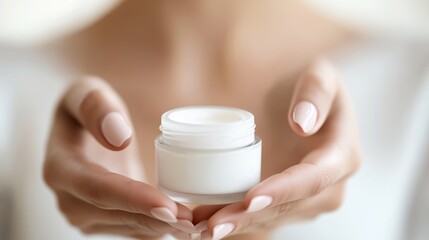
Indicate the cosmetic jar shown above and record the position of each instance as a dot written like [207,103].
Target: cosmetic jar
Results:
[207,154]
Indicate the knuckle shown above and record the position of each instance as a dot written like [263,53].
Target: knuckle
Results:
[95,197]
[266,225]
[287,188]
[248,221]
[92,193]
[132,188]
[321,182]
[119,216]
[285,208]
[142,223]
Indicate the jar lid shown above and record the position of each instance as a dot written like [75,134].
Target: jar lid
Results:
[208,127]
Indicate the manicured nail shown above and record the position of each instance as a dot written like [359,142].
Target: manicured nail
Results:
[258,203]
[115,129]
[186,226]
[163,214]
[201,226]
[305,115]
[221,230]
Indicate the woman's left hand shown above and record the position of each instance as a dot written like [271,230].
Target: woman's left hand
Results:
[322,116]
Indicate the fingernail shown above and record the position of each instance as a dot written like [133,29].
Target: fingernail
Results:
[186,226]
[163,214]
[221,230]
[201,226]
[258,203]
[305,115]
[182,235]
[115,129]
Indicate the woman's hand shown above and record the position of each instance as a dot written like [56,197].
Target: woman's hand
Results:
[93,167]
[322,120]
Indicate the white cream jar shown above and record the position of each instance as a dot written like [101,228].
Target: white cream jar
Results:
[207,155]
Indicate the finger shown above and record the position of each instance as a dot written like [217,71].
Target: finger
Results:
[128,231]
[184,220]
[224,222]
[233,218]
[182,235]
[312,99]
[100,110]
[66,169]
[329,200]
[84,215]
[204,212]
[107,190]
[318,170]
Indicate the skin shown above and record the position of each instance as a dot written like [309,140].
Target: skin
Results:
[155,56]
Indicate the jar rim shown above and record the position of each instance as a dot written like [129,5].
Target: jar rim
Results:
[208,127]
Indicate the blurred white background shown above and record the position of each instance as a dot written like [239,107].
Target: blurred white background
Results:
[386,73]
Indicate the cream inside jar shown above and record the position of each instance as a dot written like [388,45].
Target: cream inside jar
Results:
[207,155]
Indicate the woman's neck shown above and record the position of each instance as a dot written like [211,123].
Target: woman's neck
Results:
[192,41]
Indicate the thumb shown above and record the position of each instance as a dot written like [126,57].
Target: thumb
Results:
[100,110]
[313,97]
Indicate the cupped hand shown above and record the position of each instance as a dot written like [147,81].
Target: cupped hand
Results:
[93,167]
[323,126]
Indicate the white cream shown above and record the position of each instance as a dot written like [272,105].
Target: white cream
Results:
[207,155]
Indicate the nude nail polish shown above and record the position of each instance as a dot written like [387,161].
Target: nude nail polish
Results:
[305,115]
[258,203]
[222,230]
[115,129]
[163,214]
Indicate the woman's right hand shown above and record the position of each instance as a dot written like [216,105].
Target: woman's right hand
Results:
[93,167]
